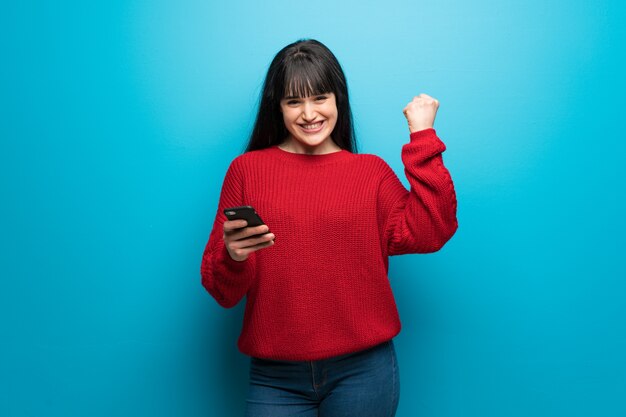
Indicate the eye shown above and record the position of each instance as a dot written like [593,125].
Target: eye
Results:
[292,102]
[320,98]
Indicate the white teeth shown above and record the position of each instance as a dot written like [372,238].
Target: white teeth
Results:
[312,126]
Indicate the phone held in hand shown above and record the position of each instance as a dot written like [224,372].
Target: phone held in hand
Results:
[246,213]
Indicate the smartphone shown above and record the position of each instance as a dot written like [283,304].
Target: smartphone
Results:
[247,213]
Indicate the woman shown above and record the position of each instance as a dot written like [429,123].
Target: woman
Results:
[320,315]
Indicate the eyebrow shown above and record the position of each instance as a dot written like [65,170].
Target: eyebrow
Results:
[290,97]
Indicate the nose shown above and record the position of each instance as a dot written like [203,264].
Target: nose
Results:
[308,111]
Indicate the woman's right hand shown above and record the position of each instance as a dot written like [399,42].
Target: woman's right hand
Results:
[238,241]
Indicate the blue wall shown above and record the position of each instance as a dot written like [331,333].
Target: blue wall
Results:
[119,119]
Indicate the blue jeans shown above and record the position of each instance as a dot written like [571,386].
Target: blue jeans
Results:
[359,384]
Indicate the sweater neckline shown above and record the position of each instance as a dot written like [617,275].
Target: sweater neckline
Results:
[309,159]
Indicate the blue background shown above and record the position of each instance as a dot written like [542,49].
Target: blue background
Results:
[119,119]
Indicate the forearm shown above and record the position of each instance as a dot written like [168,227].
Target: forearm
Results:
[424,218]
[226,279]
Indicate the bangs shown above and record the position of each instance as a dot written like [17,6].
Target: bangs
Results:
[306,78]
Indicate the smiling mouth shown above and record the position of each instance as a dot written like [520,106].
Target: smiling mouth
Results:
[312,127]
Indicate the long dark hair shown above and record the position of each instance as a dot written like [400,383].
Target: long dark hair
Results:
[303,68]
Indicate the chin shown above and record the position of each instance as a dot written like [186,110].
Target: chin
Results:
[312,143]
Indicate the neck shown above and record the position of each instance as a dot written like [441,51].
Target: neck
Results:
[293,146]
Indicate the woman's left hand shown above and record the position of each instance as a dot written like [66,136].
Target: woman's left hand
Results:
[420,112]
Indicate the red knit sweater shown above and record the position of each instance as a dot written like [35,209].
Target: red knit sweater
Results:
[322,289]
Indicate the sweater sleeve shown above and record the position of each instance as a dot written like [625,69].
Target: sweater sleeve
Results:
[226,279]
[423,219]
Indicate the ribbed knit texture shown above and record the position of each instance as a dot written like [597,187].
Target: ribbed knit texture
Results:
[322,289]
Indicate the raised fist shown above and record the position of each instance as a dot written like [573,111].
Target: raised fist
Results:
[420,112]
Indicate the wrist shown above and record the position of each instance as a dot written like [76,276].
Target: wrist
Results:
[233,259]
[419,128]
[423,132]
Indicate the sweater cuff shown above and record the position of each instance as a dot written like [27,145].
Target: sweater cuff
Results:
[424,143]
[233,266]
[423,133]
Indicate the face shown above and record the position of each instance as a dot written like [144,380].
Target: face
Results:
[310,121]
